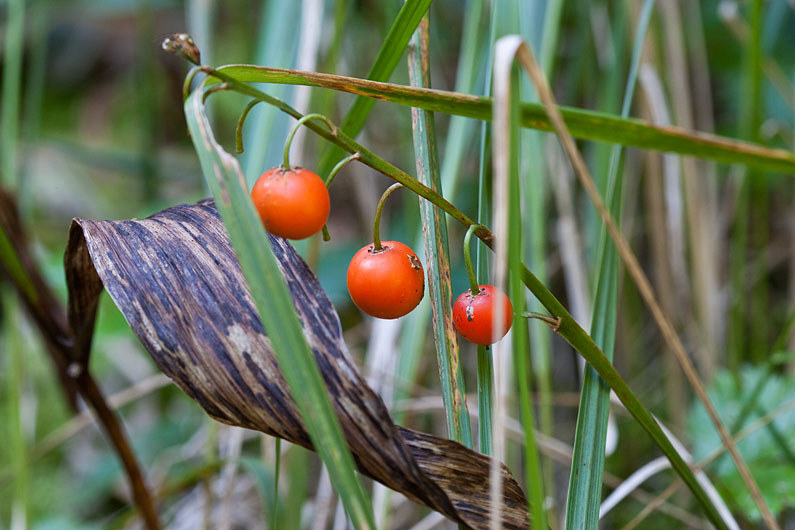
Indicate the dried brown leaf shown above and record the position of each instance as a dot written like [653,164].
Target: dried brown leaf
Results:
[176,279]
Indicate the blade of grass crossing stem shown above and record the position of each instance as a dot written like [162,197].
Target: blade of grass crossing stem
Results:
[503,20]
[585,483]
[266,127]
[568,328]
[271,297]
[583,124]
[534,172]
[509,248]
[461,130]
[437,253]
[385,62]
[459,136]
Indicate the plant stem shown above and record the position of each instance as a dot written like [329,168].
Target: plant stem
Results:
[331,176]
[240,122]
[379,210]
[276,470]
[473,279]
[301,121]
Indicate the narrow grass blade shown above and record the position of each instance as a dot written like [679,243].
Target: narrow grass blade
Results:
[508,262]
[437,253]
[585,482]
[9,303]
[266,128]
[385,62]
[534,175]
[274,304]
[583,124]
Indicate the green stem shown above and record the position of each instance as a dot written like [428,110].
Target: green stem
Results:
[331,176]
[484,399]
[378,212]
[473,279]
[276,469]
[341,164]
[331,127]
[212,90]
[240,122]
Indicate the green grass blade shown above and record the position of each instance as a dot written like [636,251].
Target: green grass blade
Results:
[508,217]
[385,62]
[583,124]
[461,130]
[9,303]
[274,304]
[265,127]
[534,171]
[585,483]
[437,253]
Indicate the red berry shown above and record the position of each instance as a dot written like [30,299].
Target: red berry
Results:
[386,283]
[473,315]
[292,203]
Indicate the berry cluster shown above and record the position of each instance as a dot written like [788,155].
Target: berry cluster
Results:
[385,278]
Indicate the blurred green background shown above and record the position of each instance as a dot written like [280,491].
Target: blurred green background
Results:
[102,135]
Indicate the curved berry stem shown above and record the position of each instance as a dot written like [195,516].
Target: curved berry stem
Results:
[341,164]
[212,90]
[240,122]
[473,279]
[331,127]
[378,211]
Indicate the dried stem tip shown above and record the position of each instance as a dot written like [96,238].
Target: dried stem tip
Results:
[182,44]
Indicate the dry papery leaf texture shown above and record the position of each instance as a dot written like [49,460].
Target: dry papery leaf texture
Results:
[176,280]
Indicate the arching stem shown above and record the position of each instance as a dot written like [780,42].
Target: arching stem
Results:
[240,122]
[341,164]
[331,127]
[378,211]
[473,279]
[212,90]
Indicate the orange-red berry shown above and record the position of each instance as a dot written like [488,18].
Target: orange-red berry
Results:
[386,283]
[292,203]
[473,315]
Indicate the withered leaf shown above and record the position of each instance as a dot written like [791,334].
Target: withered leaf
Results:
[176,280]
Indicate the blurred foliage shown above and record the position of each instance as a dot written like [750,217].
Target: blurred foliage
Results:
[104,136]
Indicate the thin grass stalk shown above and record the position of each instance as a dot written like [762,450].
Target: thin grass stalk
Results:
[271,297]
[585,482]
[437,254]
[640,280]
[534,169]
[384,64]
[9,176]
[508,271]
[759,224]
[659,253]
[750,116]
[470,69]
[697,204]
[277,43]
